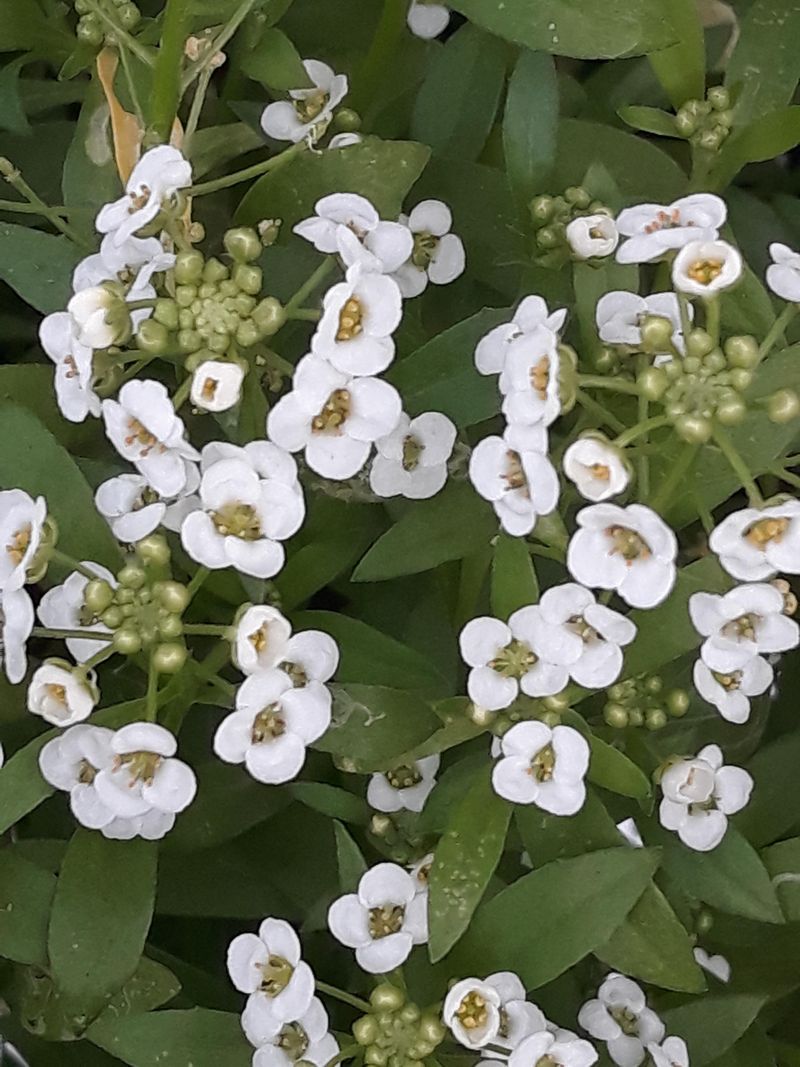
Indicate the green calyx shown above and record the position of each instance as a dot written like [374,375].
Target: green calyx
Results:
[642,701]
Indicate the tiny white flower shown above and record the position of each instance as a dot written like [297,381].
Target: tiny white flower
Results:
[672,1052]
[753,544]
[531,314]
[706,267]
[630,831]
[631,550]
[16,624]
[716,965]
[155,179]
[143,427]
[333,417]
[411,461]
[133,262]
[698,796]
[308,111]
[427,20]
[268,967]
[529,380]
[654,229]
[592,236]
[304,1040]
[420,872]
[438,255]
[264,640]
[58,334]
[596,467]
[543,766]
[359,316]
[745,622]
[505,658]
[619,316]
[21,523]
[729,691]
[133,510]
[383,920]
[783,274]
[71,763]
[61,695]
[90,310]
[619,1016]
[273,723]
[520,482]
[349,225]
[62,608]
[559,1049]
[492,1010]
[217,385]
[404,788]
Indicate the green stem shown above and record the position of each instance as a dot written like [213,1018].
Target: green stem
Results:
[133,370]
[642,460]
[139,305]
[228,30]
[64,635]
[273,163]
[72,564]
[614,385]
[31,209]
[181,394]
[739,467]
[305,315]
[309,285]
[14,178]
[678,471]
[200,576]
[345,997]
[653,423]
[588,403]
[776,330]
[198,100]
[151,697]
[787,476]
[206,629]
[121,34]
[166,93]
[98,658]
[713,311]
[686,322]
[381,53]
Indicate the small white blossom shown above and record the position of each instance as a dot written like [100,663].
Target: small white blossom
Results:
[411,461]
[405,788]
[21,523]
[427,20]
[519,481]
[16,624]
[438,255]
[61,695]
[619,1016]
[631,550]
[703,268]
[672,1052]
[349,225]
[492,1011]
[90,310]
[359,316]
[217,385]
[529,380]
[333,417]
[264,640]
[383,920]
[716,965]
[592,236]
[619,316]
[531,314]
[783,274]
[133,510]
[596,467]
[58,334]
[420,872]
[654,229]
[753,544]
[305,1040]
[155,179]
[560,1049]
[630,831]
[145,774]
[62,608]
[132,262]
[308,111]
[730,691]
[745,622]
[543,766]
[71,763]
[268,967]
[699,795]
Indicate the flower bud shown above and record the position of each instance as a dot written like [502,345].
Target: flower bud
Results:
[128,15]
[704,922]
[166,312]
[541,208]
[549,237]
[269,315]
[694,429]
[685,123]
[719,97]
[656,333]
[652,383]
[247,334]
[98,595]
[616,716]
[174,596]
[89,31]
[741,379]
[269,231]
[783,406]
[731,410]
[366,1030]
[170,627]
[577,196]
[653,684]
[431,1029]
[189,267]
[127,641]
[112,617]
[655,719]
[347,120]
[742,351]
[386,997]
[153,550]
[710,140]
[677,701]
[131,576]
[152,337]
[248,278]
[243,244]
[699,343]
[101,315]
[169,658]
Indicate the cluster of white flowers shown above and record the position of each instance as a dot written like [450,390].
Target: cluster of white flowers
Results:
[698,796]
[22,526]
[492,1011]
[619,1016]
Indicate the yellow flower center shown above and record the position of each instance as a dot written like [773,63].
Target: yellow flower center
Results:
[764,531]
[268,724]
[238,520]
[540,376]
[386,920]
[543,764]
[139,434]
[276,975]
[209,389]
[333,414]
[730,682]
[628,544]
[514,475]
[350,320]
[19,544]
[412,450]
[403,777]
[514,660]
[704,271]
[142,766]
[472,1012]
[310,106]
[601,471]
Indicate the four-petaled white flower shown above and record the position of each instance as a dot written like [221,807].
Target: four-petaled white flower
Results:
[596,467]
[730,691]
[716,965]
[653,230]
[529,380]
[703,268]
[427,20]
[21,523]
[359,317]
[216,385]
[333,417]
[543,766]
[16,624]
[71,763]
[58,334]
[437,255]
[143,427]
[411,461]
[619,1016]
[156,178]
[133,510]
[756,543]
[308,111]
[491,1011]
[628,549]
[304,1040]
[404,788]
[592,236]
[699,795]
[383,920]
[745,622]
[273,723]
[62,608]
[505,658]
[264,640]
[783,274]
[619,317]
[531,313]
[515,475]
[61,695]
[560,1049]
[133,262]
[348,224]
[91,310]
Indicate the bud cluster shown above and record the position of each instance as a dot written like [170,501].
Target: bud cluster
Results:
[552,215]
[396,1033]
[642,702]
[707,123]
[94,31]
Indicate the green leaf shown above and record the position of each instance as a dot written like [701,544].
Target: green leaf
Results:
[530,125]
[766,137]
[199,1037]
[94,949]
[464,862]
[514,583]
[765,64]
[457,102]
[454,524]
[653,945]
[26,893]
[775,805]
[37,266]
[349,859]
[90,177]
[450,789]
[608,767]
[681,69]
[649,119]
[554,837]
[783,865]
[151,985]
[275,63]
[382,171]
[330,800]
[566,910]
[373,725]
[31,386]
[28,29]
[586,29]
[712,1024]
[214,145]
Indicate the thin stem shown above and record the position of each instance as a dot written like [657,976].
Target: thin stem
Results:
[713,310]
[273,163]
[309,285]
[614,385]
[305,315]
[645,427]
[14,178]
[98,658]
[73,564]
[546,553]
[207,629]
[200,576]
[151,697]
[642,460]
[198,100]
[134,369]
[739,467]
[166,92]
[31,209]
[776,330]
[345,997]
[683,310]
[787,476]
[139,305]
[381,53]
[219,42]
[121,34]
[66,635]
[679,470]
[588,403]
[181,394]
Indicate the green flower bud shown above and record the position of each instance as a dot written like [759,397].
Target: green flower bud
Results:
[82,7]
[387,997]
[185,295]
[616,716]
[685,123]
[124,596]
[410,1013]
[691,365]
[431,1029]
[189,340]
[655,719]
[741,379]
[652,382]
[173,596]
[783,406]
[98,595]
[247,334]
[152,337]
[366,1030]
[228,288]
[656,333]
[112,617]
[243,243]
[710,140]
[89,31]
[346,120]
[128,15]
[214,271]
[127,641]
[673,369]
[635,717]
[605,360]
[704,922]
[131,576]
[677,701]
[153,550]
[269,315]
[219,343]
[169,658]
[380,825]
[715,361]
[269,231]
[731,411]
[548,237]
[699,343]
[742,351]
[376,1057]
[578,196]
[541,209]
[694,429]
[719,97]
[166,312]
[725,119]
[653,684]
[189,267]
[248,278]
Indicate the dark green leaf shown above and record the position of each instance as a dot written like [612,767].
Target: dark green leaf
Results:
[332,801]
[712,1024]
[775,805]
[349,859]
[214,145]
[681,69]
[26,893]
[31,386]
[199,1037]
[783,865]
[649,119]
[765,137]
[530,125]
[614,771]
[37,266]
[514,583]
[90,177]
[765,64]
[275,63]
[450,789]
[554,837]
[150,986]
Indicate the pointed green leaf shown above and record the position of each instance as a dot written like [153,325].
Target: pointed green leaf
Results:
[681,68]
[38,266]
[514,583]
[349,859]
[649,119]
[26,894]
[774,807]
[712,1024]
[530,125]
[199,1036]
[554,837]
[275,63]
[765,64]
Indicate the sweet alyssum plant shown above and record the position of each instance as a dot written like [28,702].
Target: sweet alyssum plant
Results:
[414,683]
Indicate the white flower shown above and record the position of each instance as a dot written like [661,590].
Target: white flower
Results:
[404,788]
[216,385]
[505,658]
[742,623]
[420,872]
[61,695]
[345,140]
[492,1011]
[268,967]
[716,965]
[437,256]
[699,795]
[21,522]
[520,482]
[532,313]
[58,334]
[754,543]
[543,766]
[411,461]
[560,1049]
[264,640]
[16,624]
[620,1017]
[729,691]
[596,467]
[335,418]
[304,1040]
[383,920]
[309,111]
[62,608]
[573,630]
[133,510]
[156,178]
[427,20]
[348,224]
[591,236]
[783,274]
[672,1052]
[71,762]
[654,229]
[530,378]
[359,316]
[628,549]
[250,501]
[706,267]
[619,316]
[273,723]
[90,309]
[630,831]
[143,427]
[133,262]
